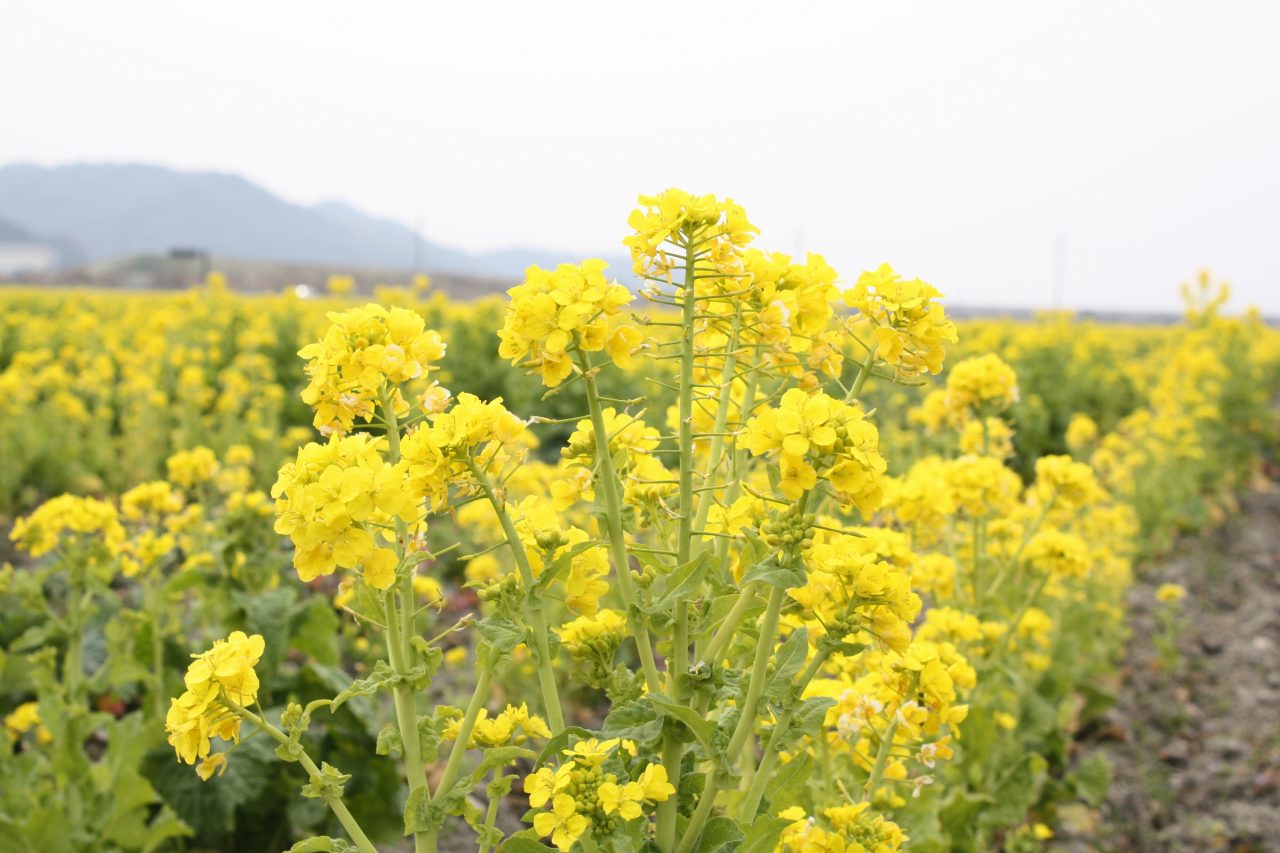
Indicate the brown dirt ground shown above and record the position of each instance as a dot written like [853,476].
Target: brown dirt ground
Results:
[1195,749]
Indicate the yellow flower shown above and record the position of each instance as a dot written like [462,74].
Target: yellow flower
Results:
[676,217]
[554,313]
[654,784]
[981,386]
[190,468]
[562,823]
[215,763]
[223,674]
[908,328]
[363,350]
[545,784]
[1170,592]
[89,519]
[592,751]
[623,799]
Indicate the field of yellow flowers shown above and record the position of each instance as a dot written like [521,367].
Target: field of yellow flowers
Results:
[760,559]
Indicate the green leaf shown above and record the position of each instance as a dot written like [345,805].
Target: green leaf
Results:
[494,757]
[769,572]
[500,633]
[787,661]
[703,730]
[810,715]
[763,835]
[720,835]
[638,721]
[518,844]
[389,741]
[683,582]
[559,741]
[268,613]
[431,730]
[381,678]
[322,844]
[561,563]
[417,811]
[788,784]
[317,630]
[1091,779]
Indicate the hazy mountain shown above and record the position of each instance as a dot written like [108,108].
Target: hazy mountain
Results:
[109,210]
[10,233]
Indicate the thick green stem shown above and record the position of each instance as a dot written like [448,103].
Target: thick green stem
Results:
[406,718]
[864,373]
[759,673]
[399,632]
[979,547]
[1017,618]
[533,613]
[335,803]
[672,749]
[773,747]
[607,481]
[706,805]
[718,432]
[882,759]
[73,662]
[151,595]
[724,634]
[490,817]
[1027,536]
[668,809]
[478,698]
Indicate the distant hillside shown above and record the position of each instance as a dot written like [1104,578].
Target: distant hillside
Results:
[10,233]
[111,211]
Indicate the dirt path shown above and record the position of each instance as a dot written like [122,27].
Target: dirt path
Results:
[1196,750]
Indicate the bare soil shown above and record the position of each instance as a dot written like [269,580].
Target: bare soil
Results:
[1195,748]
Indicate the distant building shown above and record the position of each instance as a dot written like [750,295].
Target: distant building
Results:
[18,258]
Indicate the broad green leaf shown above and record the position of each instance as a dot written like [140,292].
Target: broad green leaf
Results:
[769,572]
[720,835]
[703,730]
[763,835]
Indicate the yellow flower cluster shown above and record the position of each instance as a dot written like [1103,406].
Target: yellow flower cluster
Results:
[854,828]
[334,502]
[557,312]
[364,350]
[1059,553]
[85,521]
[668,225]
[585,796]
[787,308]
[855,595]
[217,682]
[513,726]
[909,330]
[819,436]
[190,468]
[26,718]
[472,433]
[981,386]
[545,539]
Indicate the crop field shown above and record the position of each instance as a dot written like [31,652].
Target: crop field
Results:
[762,557]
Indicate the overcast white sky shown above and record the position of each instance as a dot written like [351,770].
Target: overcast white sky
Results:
[957,140]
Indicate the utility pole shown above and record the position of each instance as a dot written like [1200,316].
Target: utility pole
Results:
[1059,270]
